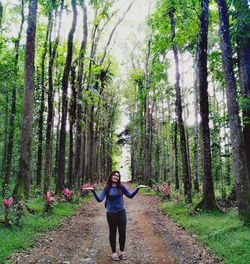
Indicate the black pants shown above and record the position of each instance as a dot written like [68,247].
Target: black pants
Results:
[117,219]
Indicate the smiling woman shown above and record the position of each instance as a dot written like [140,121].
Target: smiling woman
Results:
[115,211]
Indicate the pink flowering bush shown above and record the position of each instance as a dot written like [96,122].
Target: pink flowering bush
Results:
[7,203]
[68,194]
[164,189]
[48,201]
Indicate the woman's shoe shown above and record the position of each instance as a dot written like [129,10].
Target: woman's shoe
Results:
[123,255]
[115,257]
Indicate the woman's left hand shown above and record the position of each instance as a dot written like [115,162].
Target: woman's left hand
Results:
[142,186]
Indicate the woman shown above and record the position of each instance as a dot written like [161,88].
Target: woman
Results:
[116,214]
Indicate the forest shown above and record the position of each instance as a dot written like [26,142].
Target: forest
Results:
[184,88]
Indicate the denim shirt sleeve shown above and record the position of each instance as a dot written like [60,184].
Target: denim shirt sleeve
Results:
[100,197]
[128,193]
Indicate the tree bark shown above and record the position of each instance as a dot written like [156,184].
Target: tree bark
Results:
[72,118]
[24,173]
[62,140]
[242,10]
[49,125]
[177,184]
[41,111]
[186,177]
[238,149]
[78,166]
[196,132]
[208,202]
[147,114]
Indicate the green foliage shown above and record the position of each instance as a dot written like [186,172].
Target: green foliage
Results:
[224,234]
[33,226]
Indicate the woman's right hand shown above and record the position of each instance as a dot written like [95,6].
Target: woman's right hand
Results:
[89,188]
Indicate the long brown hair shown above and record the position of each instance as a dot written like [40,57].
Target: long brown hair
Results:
[108,184]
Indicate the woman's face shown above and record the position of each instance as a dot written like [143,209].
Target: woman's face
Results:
[115,177]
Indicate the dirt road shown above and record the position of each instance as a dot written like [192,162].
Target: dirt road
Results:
[151,238]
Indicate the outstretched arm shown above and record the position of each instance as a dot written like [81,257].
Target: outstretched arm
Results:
[100,197]
[128,193]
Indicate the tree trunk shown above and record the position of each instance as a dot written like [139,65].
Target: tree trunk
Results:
[177,184]
[242,11]
[196,133]
[78,166]
[48,148]
[57,138]
[41,111]
[208,201]
[11,132]
[72,118]
[186,177]
[238,149]
[24,173]
[147,114]
[62,140]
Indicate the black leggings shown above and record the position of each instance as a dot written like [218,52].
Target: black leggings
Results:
[117,219]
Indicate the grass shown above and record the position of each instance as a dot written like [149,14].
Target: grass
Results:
[34,225]
[223,234]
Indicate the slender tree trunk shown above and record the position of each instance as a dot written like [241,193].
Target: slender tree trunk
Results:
[147,136]
[186,177]
[208,201]
[177,184]
[48,149]
[11,132]
[78,166]
[196,132]
[62,140]
[238,149]
[242,12]
[24,173]
[41,111]
[113,31]
[57,139]
[6,128]
[72,118]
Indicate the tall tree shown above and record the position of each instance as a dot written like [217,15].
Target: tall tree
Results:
[184,155]
[243,39]
[49,125]
[42,99]
[24,173]
[237,142]
[79,146]
[7,166]
[65,79]
[147,144]
[72,119]
[208,201]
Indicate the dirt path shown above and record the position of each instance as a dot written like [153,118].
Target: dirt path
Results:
[151,238]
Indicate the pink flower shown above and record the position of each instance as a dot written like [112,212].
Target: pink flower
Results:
[166,189]
[67,192]
[49,197]
[7,202]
